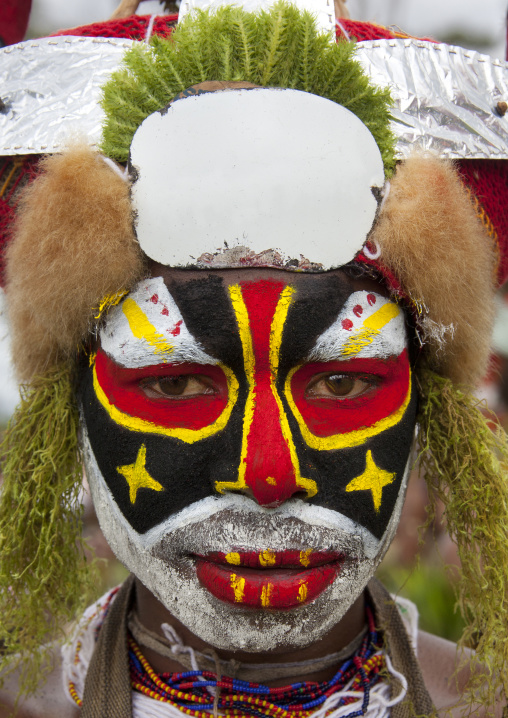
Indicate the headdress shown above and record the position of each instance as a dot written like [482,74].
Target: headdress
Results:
[438,242]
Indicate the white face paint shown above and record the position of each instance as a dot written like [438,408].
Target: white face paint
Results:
[163,560]
[147,329]
[368,326]
[167,524]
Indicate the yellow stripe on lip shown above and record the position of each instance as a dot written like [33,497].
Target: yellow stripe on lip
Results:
[238,586]
[304,557]
[302,593]
[266,593]
[267,558]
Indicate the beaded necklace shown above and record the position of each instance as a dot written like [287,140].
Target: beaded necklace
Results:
[195,692]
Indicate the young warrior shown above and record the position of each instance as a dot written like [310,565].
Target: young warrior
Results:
[252,319]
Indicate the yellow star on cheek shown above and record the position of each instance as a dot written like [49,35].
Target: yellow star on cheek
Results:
[373,479]
[137,476]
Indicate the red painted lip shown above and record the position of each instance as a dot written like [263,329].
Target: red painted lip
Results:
[280,580]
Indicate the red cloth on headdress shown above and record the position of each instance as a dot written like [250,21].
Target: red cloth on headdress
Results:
[132,28]
[14,16]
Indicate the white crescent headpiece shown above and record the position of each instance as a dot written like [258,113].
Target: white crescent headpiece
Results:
[254,177]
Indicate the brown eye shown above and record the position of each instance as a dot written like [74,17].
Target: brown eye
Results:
[342,386]
[173,385]
[183,385]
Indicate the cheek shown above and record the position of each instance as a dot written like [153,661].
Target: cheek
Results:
[364,482]
[153,475]
[357,449]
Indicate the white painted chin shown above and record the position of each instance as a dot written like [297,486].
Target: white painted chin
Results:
[161,559]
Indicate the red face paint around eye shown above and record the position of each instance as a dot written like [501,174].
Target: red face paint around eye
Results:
[144,393]
[387,385]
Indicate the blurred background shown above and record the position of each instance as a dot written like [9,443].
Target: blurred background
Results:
[475,25]
[415,563]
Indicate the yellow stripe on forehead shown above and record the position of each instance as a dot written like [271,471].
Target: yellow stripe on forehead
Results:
[242,318]
[370,329]
[142,328]
[279,320]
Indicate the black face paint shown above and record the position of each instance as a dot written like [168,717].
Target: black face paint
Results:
[188,472]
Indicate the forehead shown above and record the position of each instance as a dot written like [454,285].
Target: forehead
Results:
[209,312]
[315,284]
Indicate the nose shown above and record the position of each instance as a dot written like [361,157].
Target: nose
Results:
[270,472]
[271,464]
[300,494]
[269,468]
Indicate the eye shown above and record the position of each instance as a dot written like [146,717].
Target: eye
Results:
[340,386]
[180,385]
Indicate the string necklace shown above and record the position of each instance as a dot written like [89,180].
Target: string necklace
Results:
[384,693]
[170,645]
[201,694]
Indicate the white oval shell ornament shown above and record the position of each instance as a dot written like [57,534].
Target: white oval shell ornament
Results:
[254,172]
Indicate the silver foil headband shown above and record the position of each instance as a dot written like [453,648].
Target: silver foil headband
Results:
[444,96]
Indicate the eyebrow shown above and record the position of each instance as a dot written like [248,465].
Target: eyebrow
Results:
[140,336]
[368,335]
[142,328]
[371,328]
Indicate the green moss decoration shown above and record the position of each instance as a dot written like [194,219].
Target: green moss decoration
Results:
[277,48]
[465,461]
[44,578]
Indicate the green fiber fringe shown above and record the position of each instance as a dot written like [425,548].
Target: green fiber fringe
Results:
[465,460]
[45,579]
[280,47]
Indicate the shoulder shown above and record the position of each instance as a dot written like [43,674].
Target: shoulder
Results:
[439,659]
[48,701]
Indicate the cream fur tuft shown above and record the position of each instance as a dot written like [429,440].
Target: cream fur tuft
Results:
[73,244]
[434,244]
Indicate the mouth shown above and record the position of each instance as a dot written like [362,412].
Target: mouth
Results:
[267,579]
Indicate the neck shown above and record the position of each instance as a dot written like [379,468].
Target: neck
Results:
[151,614]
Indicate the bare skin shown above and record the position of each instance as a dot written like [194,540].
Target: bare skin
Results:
[438,659]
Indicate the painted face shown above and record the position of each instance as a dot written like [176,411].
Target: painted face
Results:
[247,443]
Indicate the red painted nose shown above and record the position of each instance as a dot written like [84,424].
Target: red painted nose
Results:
[269,470]
[269,466]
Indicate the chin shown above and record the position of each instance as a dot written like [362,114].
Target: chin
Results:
[198,563]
